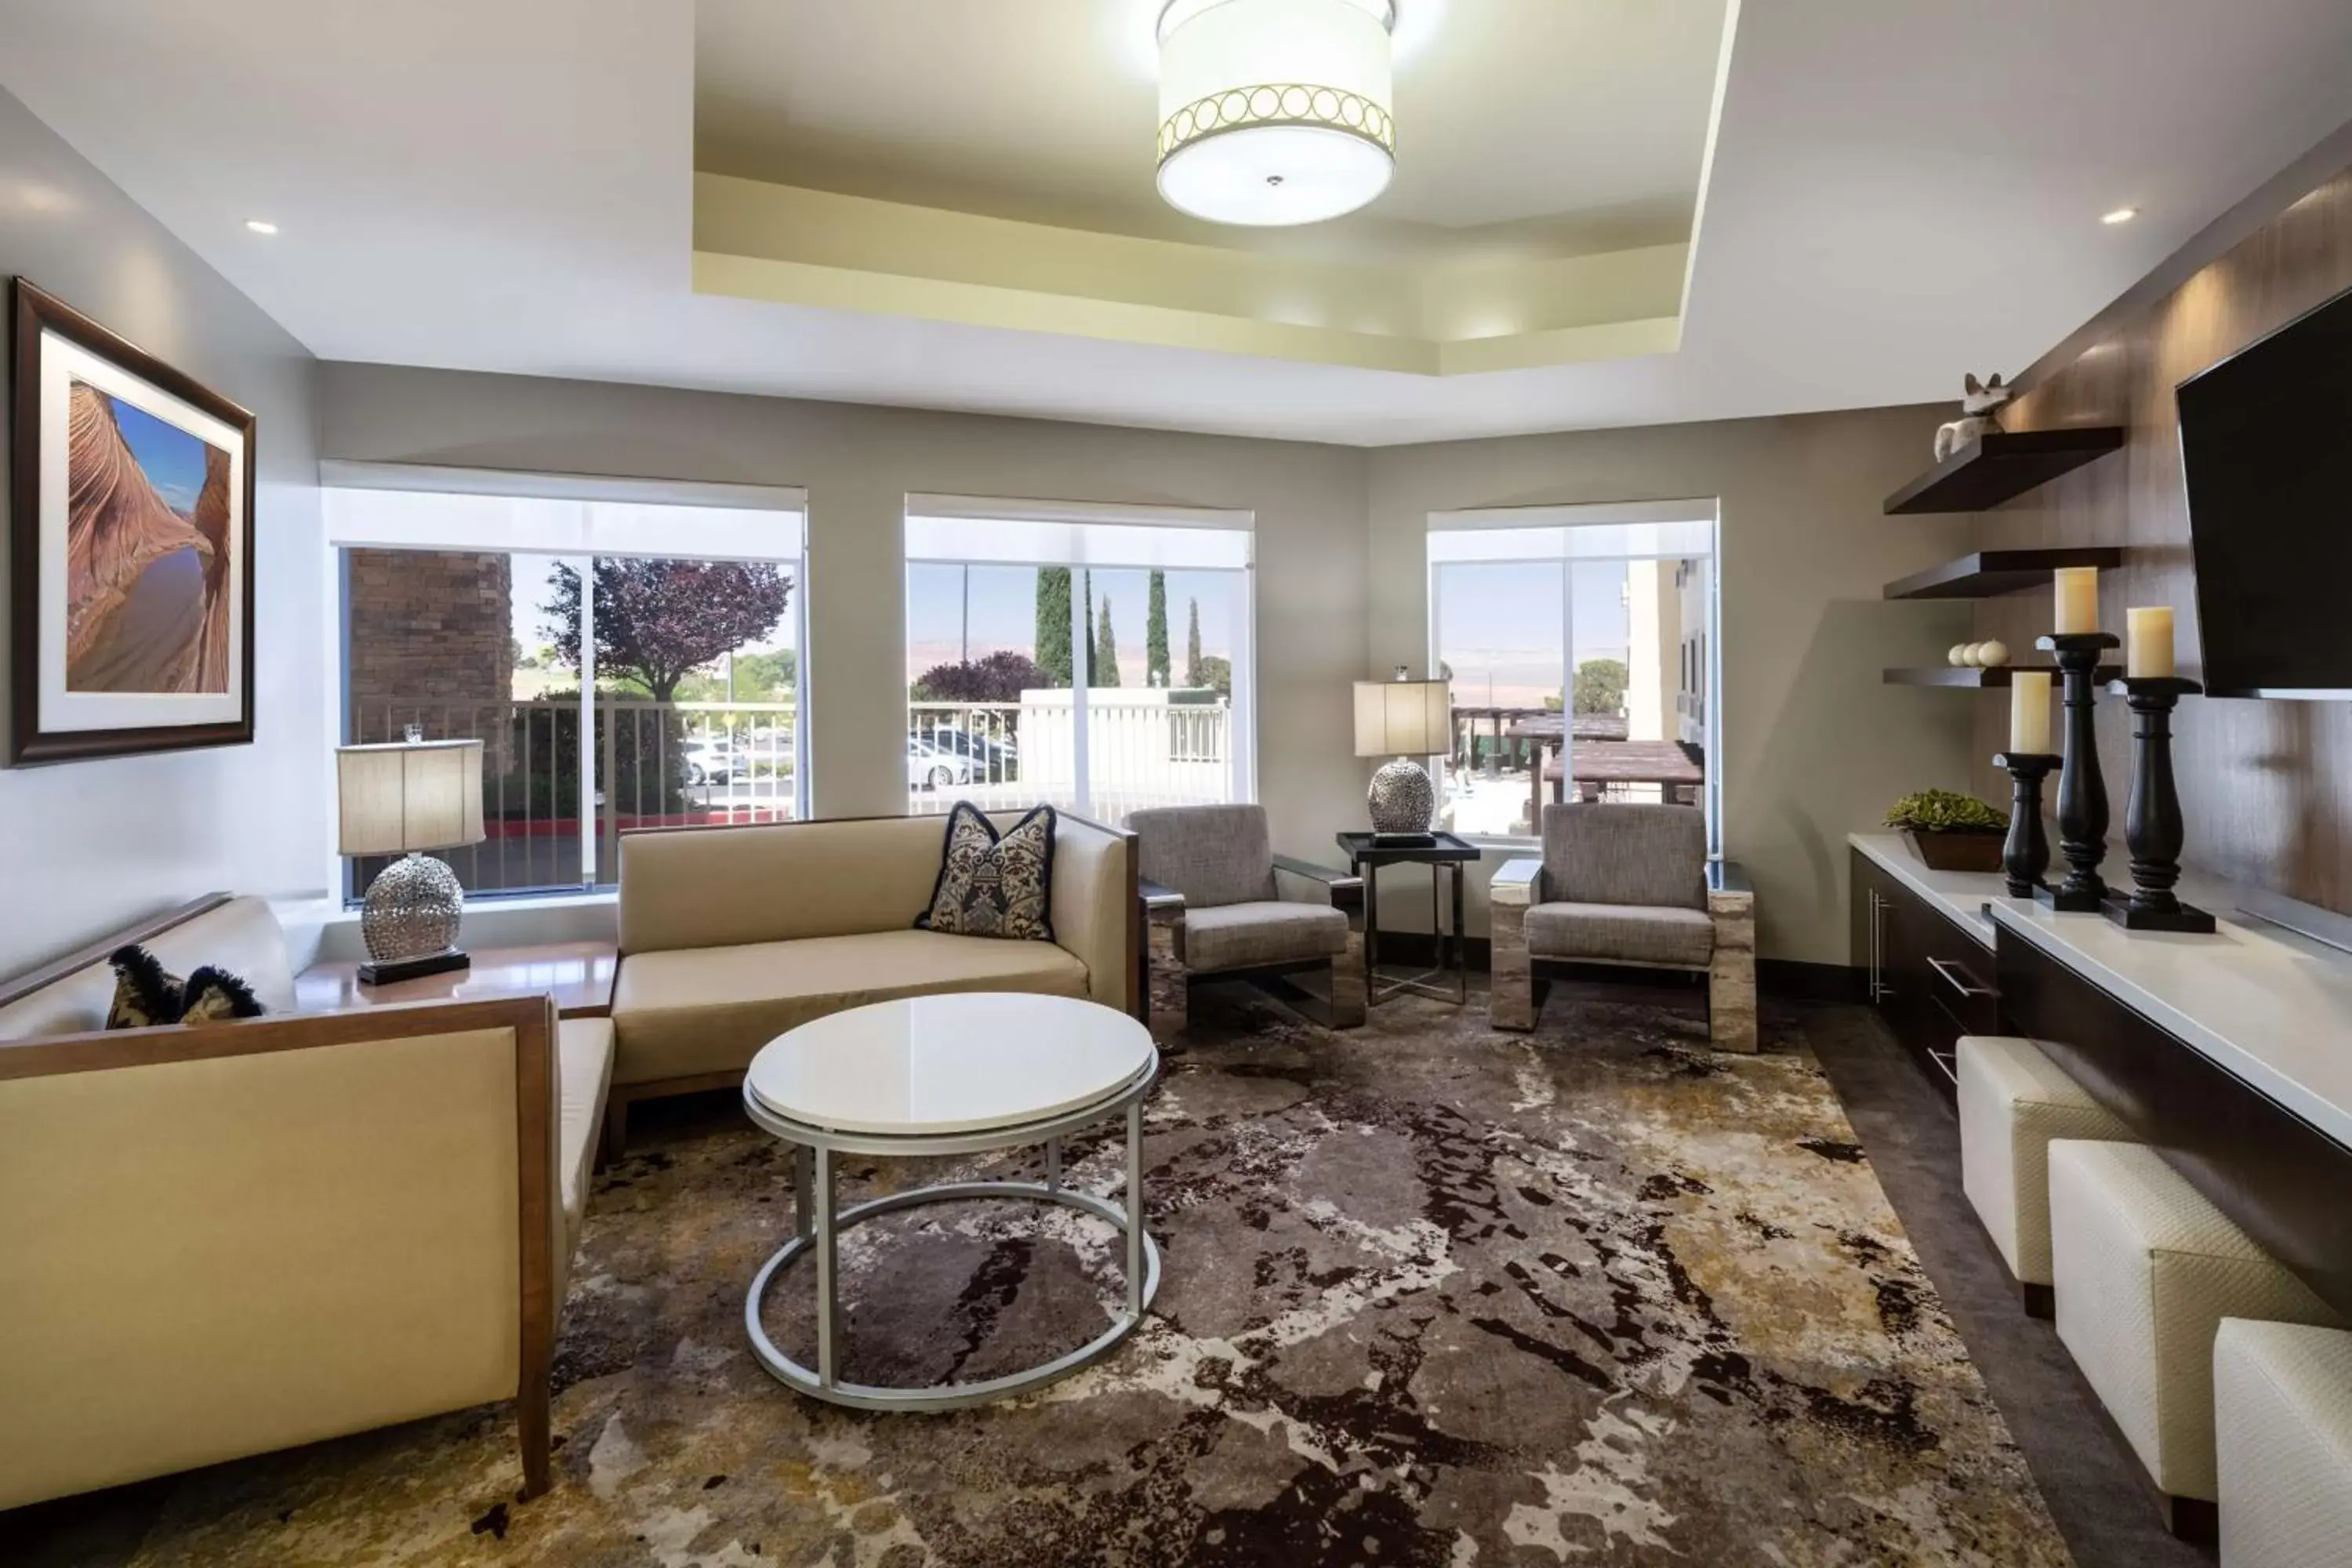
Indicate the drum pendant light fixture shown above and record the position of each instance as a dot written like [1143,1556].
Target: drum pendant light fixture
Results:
[1275,112]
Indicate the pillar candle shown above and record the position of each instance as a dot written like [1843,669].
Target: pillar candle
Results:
[2029,713]
[2078,599]
[2148,643]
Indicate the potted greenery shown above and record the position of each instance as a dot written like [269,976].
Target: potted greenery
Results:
[1952,832]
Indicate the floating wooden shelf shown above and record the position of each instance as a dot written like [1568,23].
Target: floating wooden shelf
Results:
[1992,572]
[1971,676]
[2001,464]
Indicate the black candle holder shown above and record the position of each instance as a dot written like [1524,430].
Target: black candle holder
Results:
[2082,791]
[2025,853]
[2152,825]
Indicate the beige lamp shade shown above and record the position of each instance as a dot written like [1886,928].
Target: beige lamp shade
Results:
[423,794]
[1403,718]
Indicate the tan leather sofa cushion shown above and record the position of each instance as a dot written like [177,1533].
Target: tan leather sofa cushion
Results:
[728,887]
[708,1010]
[242,936]
[1244,936]
[1624,934]
[583,1068]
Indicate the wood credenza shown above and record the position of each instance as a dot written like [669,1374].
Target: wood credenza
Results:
[2230,1055]
[1930,976]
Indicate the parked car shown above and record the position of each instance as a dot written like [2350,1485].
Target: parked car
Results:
[994,757]
[930,767]
[715,762]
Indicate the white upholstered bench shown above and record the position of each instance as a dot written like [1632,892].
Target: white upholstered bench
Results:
[2014,1100]
[2145,1269]
[2282,1428]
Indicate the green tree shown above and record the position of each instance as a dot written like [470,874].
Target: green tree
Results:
[1192,675]
[1053,625]
[1217,674]
[1156,670]
[1600,686]
[1104,658]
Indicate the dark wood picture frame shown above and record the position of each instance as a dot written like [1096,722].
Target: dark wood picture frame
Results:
[32,312]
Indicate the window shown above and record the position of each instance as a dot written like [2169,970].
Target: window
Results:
[625,662]
[1096,660]
[1587,628]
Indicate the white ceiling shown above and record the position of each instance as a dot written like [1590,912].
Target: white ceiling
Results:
[1584,122]
[1902,189]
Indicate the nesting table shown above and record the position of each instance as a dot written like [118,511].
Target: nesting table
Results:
[958,1074]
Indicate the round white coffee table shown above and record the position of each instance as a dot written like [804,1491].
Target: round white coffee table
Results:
[946,1075]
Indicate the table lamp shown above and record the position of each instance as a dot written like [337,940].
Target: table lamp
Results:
[403,799]
[1401,719]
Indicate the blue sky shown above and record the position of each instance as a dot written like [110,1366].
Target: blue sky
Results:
[173,459]
[1498,627]
[1004,613]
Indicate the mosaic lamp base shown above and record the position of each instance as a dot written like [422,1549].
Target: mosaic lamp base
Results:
[410,920]
[1401,800]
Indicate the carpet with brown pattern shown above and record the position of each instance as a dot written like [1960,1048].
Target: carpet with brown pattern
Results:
[1433,1295]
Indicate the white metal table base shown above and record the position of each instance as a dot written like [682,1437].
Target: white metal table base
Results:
[818,1227]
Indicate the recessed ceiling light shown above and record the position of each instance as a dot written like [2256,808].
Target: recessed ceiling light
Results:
[2121,214]
[260,226]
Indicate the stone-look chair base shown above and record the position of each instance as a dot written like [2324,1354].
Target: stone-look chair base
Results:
[2147,1268]
[2283,1430]
[2014,1100]
[1514,998]
[1171,974]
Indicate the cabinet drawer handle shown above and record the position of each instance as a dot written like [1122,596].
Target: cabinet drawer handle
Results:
[1958,979]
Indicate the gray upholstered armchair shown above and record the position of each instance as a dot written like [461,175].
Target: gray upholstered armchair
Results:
[1220,903]
[1632,885]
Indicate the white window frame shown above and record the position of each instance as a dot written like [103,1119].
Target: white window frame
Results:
[343,532]
[1242,719]
[1600,516]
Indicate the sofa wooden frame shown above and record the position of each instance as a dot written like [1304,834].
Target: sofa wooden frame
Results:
[532,1020]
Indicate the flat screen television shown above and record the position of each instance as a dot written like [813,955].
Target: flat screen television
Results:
[2266,444]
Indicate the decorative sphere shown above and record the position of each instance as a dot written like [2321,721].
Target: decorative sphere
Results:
[1968,655]
[1959,655]
[1992,655]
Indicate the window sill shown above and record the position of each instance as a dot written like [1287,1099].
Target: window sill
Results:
[326,928]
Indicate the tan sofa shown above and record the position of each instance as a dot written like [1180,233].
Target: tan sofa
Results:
[225,1240]
[730,936]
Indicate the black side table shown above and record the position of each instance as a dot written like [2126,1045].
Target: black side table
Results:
[1366,855]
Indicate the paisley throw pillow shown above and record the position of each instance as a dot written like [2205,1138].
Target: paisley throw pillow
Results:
[990,885]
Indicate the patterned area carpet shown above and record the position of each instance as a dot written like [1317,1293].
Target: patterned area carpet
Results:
[1434,1296]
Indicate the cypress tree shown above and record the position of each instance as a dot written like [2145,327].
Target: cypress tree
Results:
[1106,657]
[1156,671]
[1053,625]
[1192,673]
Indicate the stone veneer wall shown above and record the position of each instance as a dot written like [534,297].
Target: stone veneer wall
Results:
[435,628]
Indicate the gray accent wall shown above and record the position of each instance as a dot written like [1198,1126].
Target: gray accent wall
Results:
[85,848]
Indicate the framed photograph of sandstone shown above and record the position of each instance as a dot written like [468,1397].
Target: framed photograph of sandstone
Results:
[131,568]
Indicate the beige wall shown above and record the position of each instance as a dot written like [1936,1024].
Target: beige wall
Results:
[1814,745]
[86,847]
[858,464]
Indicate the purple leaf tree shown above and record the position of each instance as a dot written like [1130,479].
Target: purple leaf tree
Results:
[659,621]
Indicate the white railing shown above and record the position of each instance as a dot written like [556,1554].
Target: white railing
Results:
[1143,749]
[654,764]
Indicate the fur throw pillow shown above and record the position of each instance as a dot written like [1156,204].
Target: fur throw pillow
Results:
[146,994]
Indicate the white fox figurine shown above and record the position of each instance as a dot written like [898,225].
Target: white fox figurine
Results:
[1979,412]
